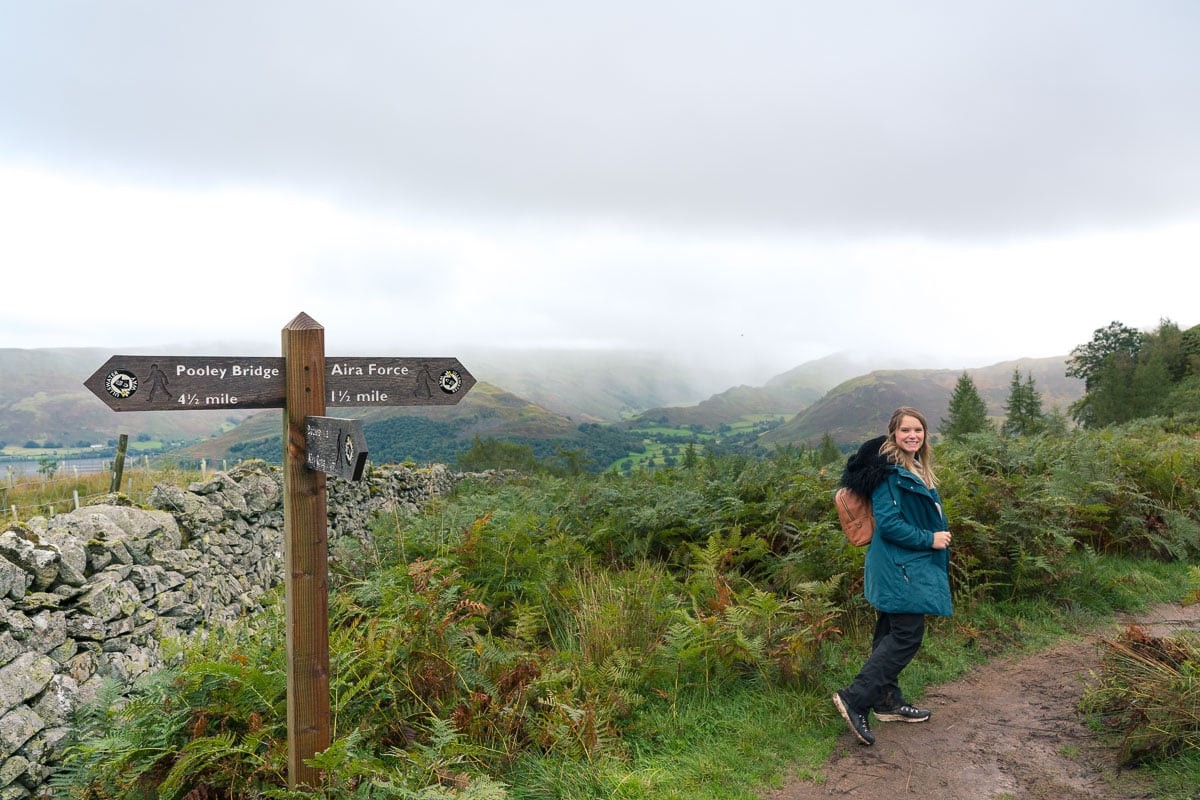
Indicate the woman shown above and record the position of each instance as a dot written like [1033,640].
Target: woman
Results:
[906,575]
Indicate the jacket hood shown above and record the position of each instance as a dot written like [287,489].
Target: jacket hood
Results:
[866,468]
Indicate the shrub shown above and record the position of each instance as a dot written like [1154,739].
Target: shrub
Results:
[1148,694]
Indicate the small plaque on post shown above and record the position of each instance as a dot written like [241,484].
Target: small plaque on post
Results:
[335,446]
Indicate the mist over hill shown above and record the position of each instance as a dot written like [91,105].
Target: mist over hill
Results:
[787,393]
[592,385]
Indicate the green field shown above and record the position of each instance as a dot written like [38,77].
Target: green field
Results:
[667,446]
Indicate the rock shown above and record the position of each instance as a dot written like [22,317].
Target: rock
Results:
[25,677]
[35,558]
[16,728]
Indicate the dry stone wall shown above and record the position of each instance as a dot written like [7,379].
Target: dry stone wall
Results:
[89,595]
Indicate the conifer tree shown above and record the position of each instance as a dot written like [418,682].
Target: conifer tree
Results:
[828,452]
[968,413]
[1024,408]
[690,458]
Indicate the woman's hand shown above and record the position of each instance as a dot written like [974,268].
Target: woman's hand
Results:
[941,540]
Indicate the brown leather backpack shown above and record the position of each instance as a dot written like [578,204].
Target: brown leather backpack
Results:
[855,515]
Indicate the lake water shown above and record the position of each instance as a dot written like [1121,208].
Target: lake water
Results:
[70,466]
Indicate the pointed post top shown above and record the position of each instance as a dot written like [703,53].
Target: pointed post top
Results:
[303,322]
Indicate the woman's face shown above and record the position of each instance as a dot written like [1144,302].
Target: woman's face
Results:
[910,435]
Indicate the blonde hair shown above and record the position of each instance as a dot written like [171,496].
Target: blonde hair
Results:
[919,464]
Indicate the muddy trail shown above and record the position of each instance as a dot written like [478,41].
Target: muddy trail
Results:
[1007,730]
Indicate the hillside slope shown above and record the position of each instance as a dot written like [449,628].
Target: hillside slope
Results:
[485,411]
[785,394]
[859,408]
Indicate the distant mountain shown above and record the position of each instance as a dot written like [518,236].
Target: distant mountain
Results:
[727,407]
[858,409]
[813,379]
[787,394]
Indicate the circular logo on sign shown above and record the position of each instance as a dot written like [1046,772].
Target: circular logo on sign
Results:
[120,383]
[450,381]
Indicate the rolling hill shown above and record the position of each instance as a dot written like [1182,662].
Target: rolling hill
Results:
[784,394]
[858,409]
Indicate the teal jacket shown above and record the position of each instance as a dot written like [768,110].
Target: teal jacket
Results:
[903,573]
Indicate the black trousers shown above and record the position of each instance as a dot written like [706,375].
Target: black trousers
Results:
[897,639]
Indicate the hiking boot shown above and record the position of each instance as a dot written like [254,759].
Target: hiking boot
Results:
[856,721]
[902,713]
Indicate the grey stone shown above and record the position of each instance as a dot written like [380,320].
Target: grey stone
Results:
[14,581]
[34,557]
[58,701]
[110,597]
[16,728]
[25,677]
[49,630]
[12,769]
[10,648]
[72,556]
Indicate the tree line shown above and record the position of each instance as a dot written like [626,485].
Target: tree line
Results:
[1127,374]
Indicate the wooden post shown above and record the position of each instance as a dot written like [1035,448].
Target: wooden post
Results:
[306,550]
[119,463]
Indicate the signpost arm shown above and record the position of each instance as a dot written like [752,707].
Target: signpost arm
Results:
[306,548]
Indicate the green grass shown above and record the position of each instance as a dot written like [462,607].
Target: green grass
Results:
[657,451]
[734,743]
[695,747]
[1177,778]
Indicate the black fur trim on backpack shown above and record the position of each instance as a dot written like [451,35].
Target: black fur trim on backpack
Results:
[866,469]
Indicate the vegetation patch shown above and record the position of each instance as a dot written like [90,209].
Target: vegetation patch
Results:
[667,633]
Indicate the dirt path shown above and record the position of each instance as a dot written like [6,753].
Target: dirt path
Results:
[1005,731]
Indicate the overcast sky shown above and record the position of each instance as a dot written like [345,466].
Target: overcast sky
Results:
[747,185]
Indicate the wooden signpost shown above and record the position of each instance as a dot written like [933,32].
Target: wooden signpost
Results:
[304,383]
